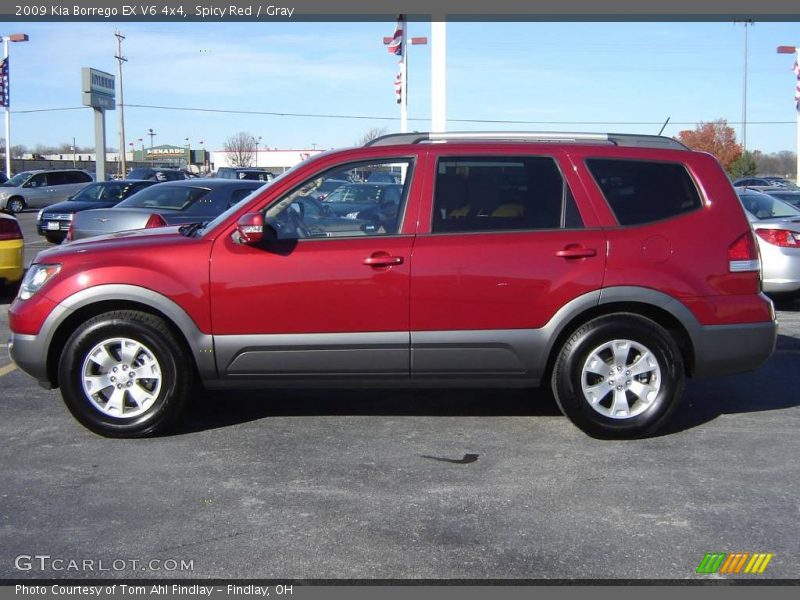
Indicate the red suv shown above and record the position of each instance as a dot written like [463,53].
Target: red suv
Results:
[610,267]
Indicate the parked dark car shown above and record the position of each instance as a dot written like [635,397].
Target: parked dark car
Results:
[764,181]
[53,221]
[170,203]
[785,194]
[352,198]
[157,174]
[251,174]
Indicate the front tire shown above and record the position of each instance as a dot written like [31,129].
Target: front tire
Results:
[15,205]
[125,374]
[619,376]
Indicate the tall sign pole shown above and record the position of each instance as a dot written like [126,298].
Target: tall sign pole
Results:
[5,91]
[98,92]
[438,74]
[796,69]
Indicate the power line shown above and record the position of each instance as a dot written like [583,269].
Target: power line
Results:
[380,118]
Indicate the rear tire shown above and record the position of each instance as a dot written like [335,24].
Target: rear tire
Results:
[125,374]
[15,205]
[54,239]
[619,376]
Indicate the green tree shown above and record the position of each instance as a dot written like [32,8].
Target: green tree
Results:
[744,166]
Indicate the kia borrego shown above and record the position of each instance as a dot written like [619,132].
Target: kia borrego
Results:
[607,267]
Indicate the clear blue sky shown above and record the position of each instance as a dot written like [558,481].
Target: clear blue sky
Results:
[608,73]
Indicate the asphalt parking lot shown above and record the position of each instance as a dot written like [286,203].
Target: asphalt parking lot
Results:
[468,484]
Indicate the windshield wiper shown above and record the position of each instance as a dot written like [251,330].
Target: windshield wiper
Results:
[192,228]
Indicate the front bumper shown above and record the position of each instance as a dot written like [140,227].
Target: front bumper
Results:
[29,353]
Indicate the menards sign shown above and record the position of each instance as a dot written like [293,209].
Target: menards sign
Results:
[165,151]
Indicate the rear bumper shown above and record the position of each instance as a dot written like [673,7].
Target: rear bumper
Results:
[11,252]
[727,349]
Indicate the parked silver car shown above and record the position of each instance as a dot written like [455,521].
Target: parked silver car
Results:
[169,203]
[777,228]
[37,189]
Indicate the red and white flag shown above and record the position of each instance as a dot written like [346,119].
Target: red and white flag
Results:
[398,86]
[396,45]
[796,70]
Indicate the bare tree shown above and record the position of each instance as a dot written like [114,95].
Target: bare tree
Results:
[371,134]
[241,149]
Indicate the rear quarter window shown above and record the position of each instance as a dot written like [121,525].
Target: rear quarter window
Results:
[641,192]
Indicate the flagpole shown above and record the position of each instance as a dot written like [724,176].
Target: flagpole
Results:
[797,112]
[404,80]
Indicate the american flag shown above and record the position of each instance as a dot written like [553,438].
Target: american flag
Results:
[4,83]
[396,45]
[796,70]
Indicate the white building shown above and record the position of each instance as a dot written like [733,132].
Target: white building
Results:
[276,161]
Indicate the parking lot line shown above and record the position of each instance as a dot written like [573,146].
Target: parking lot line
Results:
[7,369]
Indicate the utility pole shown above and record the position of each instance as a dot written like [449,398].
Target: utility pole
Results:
[74,149]
[121,59]
[438,73]
[746,23]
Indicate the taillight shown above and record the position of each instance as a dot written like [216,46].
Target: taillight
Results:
[743,254]
[9,230]
[155,220]
[70,231]
[779,237]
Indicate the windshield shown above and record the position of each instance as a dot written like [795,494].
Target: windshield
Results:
[18,179]
[165,197]
[763,206]
[102,192]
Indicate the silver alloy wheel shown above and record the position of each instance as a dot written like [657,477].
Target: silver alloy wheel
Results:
[121,377]
[15,205]
[621,379]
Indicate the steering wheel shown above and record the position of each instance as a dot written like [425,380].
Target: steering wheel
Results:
[296,223]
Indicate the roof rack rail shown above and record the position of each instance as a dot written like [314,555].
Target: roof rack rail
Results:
[618,139]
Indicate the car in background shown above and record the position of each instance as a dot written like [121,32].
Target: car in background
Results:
[169,203]
[777,228]
[53,222]
[353,198]
[319,190]
[3,177]
[11,250]
[764,181]
[39,188]
[383,177]
[248,173]
[156,174]
[787,195]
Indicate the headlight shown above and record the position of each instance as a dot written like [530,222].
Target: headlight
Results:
[3,195]
[35,278]
[39,215]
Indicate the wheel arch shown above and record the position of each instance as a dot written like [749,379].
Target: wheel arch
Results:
[91,302]
[664,310]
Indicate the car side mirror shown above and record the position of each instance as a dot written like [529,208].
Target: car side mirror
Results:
[250,228]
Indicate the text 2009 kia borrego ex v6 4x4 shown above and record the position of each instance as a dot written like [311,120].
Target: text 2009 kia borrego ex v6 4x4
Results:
[609,267]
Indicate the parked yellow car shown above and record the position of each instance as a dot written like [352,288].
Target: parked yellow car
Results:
[11,245]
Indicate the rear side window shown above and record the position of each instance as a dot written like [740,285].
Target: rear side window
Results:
[501,193]
[642,192]
[77,177]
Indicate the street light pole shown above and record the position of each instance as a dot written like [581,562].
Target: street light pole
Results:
[14,37]
[74,149]
[152,134]
[258,139]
